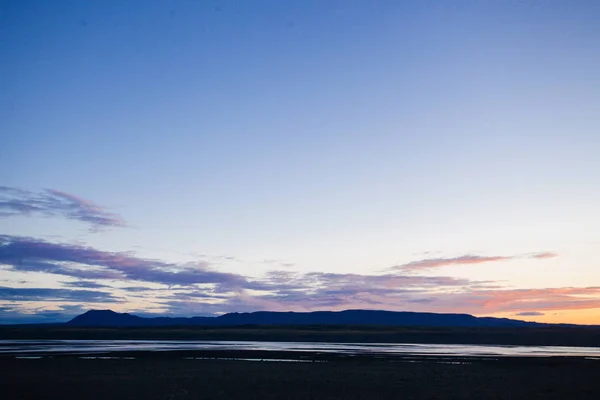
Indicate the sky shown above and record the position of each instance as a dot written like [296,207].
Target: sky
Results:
[203,157]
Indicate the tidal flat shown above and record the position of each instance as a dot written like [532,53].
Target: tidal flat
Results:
[297,371]
[172,375]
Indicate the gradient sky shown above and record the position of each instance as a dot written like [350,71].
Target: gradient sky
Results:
[201,157]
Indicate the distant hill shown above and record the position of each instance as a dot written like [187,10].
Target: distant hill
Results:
[349,317]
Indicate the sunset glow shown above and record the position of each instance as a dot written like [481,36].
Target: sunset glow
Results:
[190,159]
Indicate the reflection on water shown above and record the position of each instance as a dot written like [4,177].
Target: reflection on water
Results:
[106,358]
[37,347]
[252,359]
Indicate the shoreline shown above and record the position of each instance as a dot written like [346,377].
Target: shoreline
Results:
[302,356]
[538,336]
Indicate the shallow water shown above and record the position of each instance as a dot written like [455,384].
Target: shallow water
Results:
[49,347]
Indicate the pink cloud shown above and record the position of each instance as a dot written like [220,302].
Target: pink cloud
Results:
[468,259]
[442,262]
[544,255]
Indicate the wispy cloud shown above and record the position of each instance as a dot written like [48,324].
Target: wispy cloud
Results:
[54,203]
[34,255]
[85,284]
[468,259]
[544,255]
[44,294]
[529,314]
[430,263]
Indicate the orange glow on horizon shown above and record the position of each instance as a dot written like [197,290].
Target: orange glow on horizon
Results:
[590,316]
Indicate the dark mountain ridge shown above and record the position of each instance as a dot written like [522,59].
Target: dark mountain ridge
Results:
[106,318]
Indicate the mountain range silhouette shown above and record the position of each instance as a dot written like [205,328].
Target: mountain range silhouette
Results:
[348,317]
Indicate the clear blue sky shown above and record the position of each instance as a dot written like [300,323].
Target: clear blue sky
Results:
[306,137]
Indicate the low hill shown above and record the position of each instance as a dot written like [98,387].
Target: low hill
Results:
[95,318]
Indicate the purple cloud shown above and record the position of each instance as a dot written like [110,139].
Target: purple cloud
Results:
[34,255]
[54,203]
[468,259]
[44,294]
[529,314]
[544,255]
[85,284]
[430,263]
[225,291]
[195,288]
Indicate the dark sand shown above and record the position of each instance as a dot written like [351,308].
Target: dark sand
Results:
[170,376]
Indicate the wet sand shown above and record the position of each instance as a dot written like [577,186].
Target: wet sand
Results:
[177,375]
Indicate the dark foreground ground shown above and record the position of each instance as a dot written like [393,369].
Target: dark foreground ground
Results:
[530,336]
[170,376]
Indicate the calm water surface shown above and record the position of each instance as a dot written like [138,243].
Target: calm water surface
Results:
[48,347]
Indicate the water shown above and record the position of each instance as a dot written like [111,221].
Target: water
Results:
[23,348]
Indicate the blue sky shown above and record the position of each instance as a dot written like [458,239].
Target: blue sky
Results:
[298,138]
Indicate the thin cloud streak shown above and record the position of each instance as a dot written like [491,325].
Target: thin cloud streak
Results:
[85,284]
[544,255]
[529,314]
[45,294]
[33,255]
[54,203]
[468,259]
